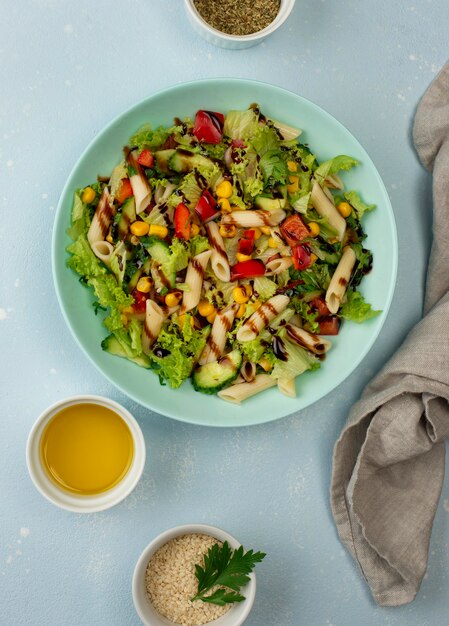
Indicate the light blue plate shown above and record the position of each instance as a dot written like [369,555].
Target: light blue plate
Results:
[327,138]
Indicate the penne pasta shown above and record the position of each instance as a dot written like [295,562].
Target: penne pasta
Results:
[328,193]
[313,343]
[154,316]
[333,181]
[248,371]
[242,391]
[254,219]
[287,387]
[276,266]
[262,317]
[326,209]
[219,259]
[217,340]
[340,280]
[139,183]
[101,220]
[103,250]
[194,278]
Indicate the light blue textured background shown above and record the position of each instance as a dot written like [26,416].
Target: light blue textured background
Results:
[67,68]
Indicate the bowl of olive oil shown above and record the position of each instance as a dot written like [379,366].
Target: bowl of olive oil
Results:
[85,454]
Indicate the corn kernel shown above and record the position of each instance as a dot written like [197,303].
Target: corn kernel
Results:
[139,228]
[292,166]
[224,189]
[173,298]
[242,257]
[266,230]
[248,289]
[265,364]
[124,319]
[314,229]
[205,308]
[210,318]
[109,239]
[241,311]
[313,258]
[88,195]
[257,233]
[144,284]
[160,231]
[228,231]
[224,205]
[240,296]
[272,242]
[293,187]
[257,304]
[344,208]
[194,230]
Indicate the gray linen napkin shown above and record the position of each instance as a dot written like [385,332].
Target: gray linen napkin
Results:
[388,464]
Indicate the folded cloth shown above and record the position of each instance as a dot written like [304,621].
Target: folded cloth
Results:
[388,465]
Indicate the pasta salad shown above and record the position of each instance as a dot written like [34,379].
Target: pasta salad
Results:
[222,252]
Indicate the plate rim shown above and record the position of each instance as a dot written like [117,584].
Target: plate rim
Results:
[167,412]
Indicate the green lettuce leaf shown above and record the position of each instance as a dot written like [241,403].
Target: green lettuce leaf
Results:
[298,361]
[80,217]
[341,162]
[274,167]
[146,137]
[356,309]
[240,124]
[252,350]
[304,311]
[83,260]
[198,244]
[119,172]
[357,203]
[184,346]
[265,139]
[264,287]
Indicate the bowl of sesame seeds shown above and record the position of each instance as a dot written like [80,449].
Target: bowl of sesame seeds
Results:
[165,585]
[237,24]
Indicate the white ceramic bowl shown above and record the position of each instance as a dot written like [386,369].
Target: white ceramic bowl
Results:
[71,501]
[236,42]
[148,614]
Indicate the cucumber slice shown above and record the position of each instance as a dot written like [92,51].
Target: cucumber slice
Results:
[269,204]
[111,344]
[159,251]
[128,217]
[183,161]
[162,158]
[212,377]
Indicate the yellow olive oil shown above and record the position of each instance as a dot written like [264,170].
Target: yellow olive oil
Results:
[86,449]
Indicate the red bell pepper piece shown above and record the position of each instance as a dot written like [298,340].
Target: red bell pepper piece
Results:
[301,257]
[206,206]
[294,230]
[319,305]
[246,243]
[183,221]
[140,301]
[208,126]
[146,158]
[329,326]
[125,191]
[247,269]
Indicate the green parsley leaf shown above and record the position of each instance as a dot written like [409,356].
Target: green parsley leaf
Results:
[227,569]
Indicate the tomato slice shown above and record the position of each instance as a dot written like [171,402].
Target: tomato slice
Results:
[301,257]
[125,191]
[247,269]
[206,206]
[319,305]
[146,158]
[208,126]
[182,221]
[140,301]
[294,230]
[246,243]
[329,326]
